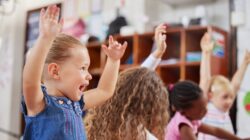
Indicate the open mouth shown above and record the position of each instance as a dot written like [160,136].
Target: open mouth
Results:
[82,88]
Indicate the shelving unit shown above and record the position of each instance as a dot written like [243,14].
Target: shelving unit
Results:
[180,41]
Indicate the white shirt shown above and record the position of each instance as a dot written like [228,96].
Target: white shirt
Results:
[151,62]
[150,136]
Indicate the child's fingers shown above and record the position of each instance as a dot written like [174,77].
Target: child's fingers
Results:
[124,45]
[206,37]
[57,14]
[162,25]
[163,37]
[53,12]
[61,22]
[111,40]
[119,46]
[105,49]
[48,12]
[161,31]
[209,30]
[160,28]
[42,12]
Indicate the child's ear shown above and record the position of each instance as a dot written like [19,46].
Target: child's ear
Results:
[53,70]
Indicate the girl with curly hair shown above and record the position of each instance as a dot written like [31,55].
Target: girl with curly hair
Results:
[139,106]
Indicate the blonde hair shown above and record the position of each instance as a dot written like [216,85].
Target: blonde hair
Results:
[140,102]
[219,84]
[60,49]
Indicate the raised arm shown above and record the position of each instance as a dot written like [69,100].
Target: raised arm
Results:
[205,68]
[154,58]
[108,80]
[49,27]
[239,75]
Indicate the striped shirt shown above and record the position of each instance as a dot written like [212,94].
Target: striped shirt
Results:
[217,118]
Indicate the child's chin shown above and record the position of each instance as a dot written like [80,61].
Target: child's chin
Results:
[226,109]
[76,99]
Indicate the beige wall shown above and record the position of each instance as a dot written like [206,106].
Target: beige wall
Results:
[217,12]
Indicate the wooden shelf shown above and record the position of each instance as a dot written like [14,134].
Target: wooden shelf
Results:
[193,63]
[126,66]
[94,45]
[96,71]
[177,65]
[180,41]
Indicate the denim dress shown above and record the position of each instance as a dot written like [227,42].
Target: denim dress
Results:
[61,119]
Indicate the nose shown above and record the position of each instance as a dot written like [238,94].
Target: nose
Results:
[88,77]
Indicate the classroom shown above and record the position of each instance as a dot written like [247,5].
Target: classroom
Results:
[124,69]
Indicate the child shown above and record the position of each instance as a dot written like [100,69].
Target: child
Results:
[54,110]
[187,100]
[139,105]
[221,92]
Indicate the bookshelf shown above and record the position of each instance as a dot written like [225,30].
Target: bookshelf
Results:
[180,41]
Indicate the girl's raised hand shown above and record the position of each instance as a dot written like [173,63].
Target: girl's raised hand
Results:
[207,44]
[160,38]
[49,25]
[115,50]
[247,56]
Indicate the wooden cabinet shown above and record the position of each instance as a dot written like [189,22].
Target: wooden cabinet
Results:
[175,63]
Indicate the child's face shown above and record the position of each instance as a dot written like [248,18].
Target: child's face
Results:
[74,75]
[223,101]
[198,109]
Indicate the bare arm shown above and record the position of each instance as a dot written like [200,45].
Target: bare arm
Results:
[33,68]
[239,75]
[154,59]
[218,132]
[186,132]
[108,80]
[205,69]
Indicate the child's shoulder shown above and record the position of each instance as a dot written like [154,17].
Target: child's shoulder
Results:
[178,119]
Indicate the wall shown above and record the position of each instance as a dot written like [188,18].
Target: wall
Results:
[243,116]
[217,12]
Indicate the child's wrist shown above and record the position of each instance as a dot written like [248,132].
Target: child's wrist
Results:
[46,38]
[113,60]
[158,53]
[207,51]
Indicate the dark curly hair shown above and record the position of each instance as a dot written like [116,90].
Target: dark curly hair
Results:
[140,102]
[182,94]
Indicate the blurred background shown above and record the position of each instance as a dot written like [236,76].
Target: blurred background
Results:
[92,21]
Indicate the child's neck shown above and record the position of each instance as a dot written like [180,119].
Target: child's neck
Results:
[189,118]
[218,107]
[52,91]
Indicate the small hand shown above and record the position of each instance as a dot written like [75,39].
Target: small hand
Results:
[160,38]
[207,44]
[115,50]
[49,26]
[247,57]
